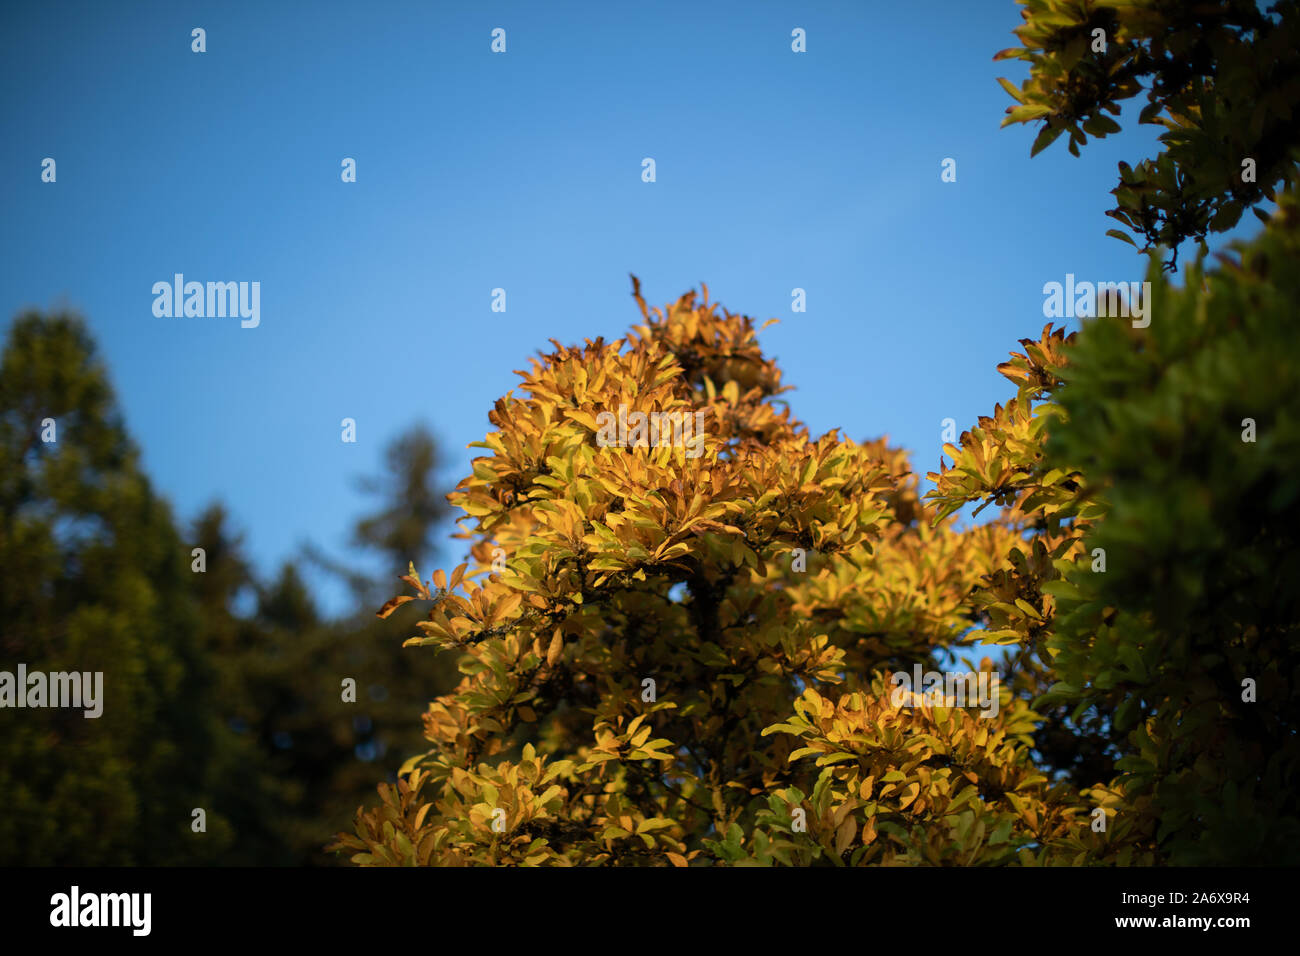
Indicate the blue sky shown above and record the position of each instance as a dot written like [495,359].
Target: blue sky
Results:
[522,170]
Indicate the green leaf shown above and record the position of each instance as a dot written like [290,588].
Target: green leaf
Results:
[1046,137]
[1012,89]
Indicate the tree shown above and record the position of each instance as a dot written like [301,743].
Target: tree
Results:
[1222,77]
[285,664]
[1191,428]
[409,507]
[96,581]
[207,705]
[257,791]
[402,528]
[691,653]
[333,745]
[684,652]
[298,755]
[1171,644]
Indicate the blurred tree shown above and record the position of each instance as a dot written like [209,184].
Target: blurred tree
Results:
[258,792]
[1190,432]
[1172,657]
[328,746]
[402,529]
[96,579]
[222,692]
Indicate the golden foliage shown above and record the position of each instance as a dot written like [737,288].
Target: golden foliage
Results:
[747,582]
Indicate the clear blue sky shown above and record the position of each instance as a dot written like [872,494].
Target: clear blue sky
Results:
[475,170]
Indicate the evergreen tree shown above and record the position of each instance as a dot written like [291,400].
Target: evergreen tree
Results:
[96,580]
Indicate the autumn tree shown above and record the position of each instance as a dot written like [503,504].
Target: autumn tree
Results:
[686,651]
[679,651]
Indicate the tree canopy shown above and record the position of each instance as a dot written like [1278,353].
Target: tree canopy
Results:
[676,658]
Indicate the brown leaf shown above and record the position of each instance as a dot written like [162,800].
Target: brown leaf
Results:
[393,605]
